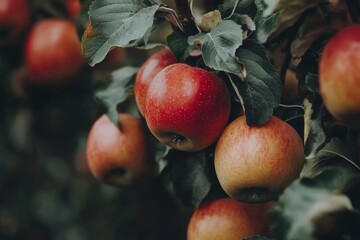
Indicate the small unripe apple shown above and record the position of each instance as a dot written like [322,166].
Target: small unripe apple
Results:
[255,163]
[339,77]
[187,107]
[119,155]
[154,64]
[228,219]
[15,17]
[53,52]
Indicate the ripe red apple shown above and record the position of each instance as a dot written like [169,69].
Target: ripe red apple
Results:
[187,107]
[119,155]
[339,75]
[53,52]
[256,163]
[147,72]
[15,17]
[228,219]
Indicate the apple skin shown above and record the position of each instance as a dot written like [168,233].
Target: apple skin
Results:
[119,156]
[15,17]
[228,219]
[339,77]
[53,52]
[255,163]
[154,64]
[187,107]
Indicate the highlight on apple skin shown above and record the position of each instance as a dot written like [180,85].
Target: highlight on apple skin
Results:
[228,219]
[119,155]
[256,163]
[339,77]
[187,107]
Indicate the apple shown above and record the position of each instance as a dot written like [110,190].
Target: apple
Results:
[255,163]
[74,8]
[187,107]
[53,52]
[119,155]
[228,219]
[147,72]
[339,77]
[15,17]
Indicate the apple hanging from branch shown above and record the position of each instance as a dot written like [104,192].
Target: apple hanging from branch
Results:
[256,163]
[187,107]
[119,155]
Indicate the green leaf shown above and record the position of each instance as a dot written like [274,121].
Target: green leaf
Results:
[190,176]
[265,26]
[177,43]
[312,82]
[304,202]
[261,89]
[116,23]
[116,91]
[219,46]
[229,7]
[244,20]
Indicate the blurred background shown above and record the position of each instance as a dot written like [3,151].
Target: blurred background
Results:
[46,188]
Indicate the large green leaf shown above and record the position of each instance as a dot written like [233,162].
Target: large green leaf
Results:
[116,91]
[219,46]
[261,88]
[116,23]
[306,201]
[190,175]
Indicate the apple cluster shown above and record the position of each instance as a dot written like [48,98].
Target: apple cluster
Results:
[188,109]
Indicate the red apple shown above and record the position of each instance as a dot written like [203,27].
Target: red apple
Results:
[119,155]
[187,107]
[147,72]
[228,219]
[255,163]
[15,17]
[53,52]
[339,75]
[74,8]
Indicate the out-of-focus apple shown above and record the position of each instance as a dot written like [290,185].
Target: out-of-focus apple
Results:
[154,64]
[255,163]
[15,17]
[228,219]
[53,52]
[119,155]
[339,77]
[187,107]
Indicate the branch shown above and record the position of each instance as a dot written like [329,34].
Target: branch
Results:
[186,17]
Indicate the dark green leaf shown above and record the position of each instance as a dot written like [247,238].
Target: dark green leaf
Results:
[265,26]
[244,20]
[116,91]
[190,176]
[307,200]
[177,43]
[230,7]
[261,89]
[116,23]
[312,82]
[219,46]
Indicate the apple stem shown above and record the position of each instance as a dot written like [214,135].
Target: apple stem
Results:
[186,17]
